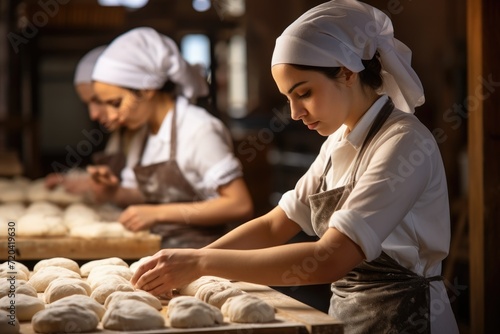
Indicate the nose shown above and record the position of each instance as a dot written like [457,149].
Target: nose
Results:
[297,111]
[93,112]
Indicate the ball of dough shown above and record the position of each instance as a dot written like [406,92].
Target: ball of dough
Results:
[14,266]
[8,286]
[64,287]
[132,315]
[103,291]
[19,275]
[87,267]
[42,278]
[65,319]
[9,323]
[25,306]
[134,266]
[247,308]
[109,269]
[57,262]
[80,300]
[216,293]
[139,295]
[191,288]
[40,225]
[107,279]
[190,312]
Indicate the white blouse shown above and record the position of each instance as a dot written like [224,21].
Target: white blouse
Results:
[204,150]
[400,202]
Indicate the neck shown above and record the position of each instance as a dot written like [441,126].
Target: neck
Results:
[363,102]
[162,105]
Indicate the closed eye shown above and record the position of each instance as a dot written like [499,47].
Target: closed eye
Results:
[305,95]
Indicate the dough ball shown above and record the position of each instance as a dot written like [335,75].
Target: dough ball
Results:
[109,269]
[246,308]
[26,306]
[12,211]
[16,286]
[60,196]
[105,279]
[80,300]
[137,264]
[216,293]
[191,288]
[190,312]
[65,319]
[98,230]
[18,276]
[78,214]
[57,262]
[9,323]
[15,266]
[45,208]
[87,267]
[40,225]
[104,290]
[132,315]
[42,278]
[64,287]
[138,295]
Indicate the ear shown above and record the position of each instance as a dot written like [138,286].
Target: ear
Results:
[147,94]
[349,76]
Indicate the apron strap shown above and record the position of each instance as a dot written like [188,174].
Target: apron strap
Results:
[173,135]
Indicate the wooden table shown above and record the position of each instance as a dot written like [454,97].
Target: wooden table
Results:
[292,317]
[82,249]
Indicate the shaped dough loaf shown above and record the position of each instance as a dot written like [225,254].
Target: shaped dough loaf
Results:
[216,293]
[87,267]
[14,266]
[138,295]
[16,286]
[104,290]
[64,287]
[65,319]
[246,308]
[26,306]
[82,301]
[42,278]
[191,288]
[9,323]
[132,315]
[57,262]
[189,312]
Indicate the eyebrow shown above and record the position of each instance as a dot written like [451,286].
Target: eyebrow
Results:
[295,86]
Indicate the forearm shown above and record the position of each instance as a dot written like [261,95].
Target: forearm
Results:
[124,197]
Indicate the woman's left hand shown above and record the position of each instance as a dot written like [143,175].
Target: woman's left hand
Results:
[168,269]
[139,217]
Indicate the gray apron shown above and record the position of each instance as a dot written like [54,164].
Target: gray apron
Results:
[379,296]
[164,182]
[115,161]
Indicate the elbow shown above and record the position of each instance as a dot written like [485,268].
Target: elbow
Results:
[245,210]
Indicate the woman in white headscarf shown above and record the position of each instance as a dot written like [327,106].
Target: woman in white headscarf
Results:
[77,181]
[187,185]
[376,195]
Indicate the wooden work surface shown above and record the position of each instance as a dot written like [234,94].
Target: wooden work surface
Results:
[292,317]
[83,249]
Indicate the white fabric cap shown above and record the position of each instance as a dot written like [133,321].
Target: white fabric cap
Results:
[142,58]
[342,33]
[83,72]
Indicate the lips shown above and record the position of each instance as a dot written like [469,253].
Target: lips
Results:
[312,126]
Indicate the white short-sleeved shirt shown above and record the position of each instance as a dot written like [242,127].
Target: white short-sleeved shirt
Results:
[400,202]
[204,150]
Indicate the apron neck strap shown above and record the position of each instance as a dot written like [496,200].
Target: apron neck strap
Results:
[173,134]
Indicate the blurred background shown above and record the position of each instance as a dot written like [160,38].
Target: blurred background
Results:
[45,128]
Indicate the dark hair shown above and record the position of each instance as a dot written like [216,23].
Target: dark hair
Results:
[168,87]
[371,76]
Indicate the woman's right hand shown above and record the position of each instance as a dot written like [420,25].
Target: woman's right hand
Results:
[104,184]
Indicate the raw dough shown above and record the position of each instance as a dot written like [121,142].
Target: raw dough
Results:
[79,214]
[105,279]
[87,267]
[134,266]
[110,269]
[42,278]
[12,211]
[188,312]
[80,300]
[8,325]
[191,288]
[17,266]
[65,319]
[45,208]
[103,230]
[40,225]
[19,286]
[132,315]
[139,295]
[26,306]
[216,293]
[246,308]
[57,262]
[104,290]
[64,287]
[5,272]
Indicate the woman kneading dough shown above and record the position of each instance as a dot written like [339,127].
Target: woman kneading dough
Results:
[382,233]
[187,184]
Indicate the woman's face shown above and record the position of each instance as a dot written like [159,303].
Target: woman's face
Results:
[121,105]
[96,110]
[321,103]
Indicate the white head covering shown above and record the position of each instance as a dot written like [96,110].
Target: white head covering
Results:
[83,72]
[144,59]
[342,33]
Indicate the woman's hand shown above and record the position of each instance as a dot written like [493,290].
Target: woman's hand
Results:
[104,184]
[139,217]
[168,269]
